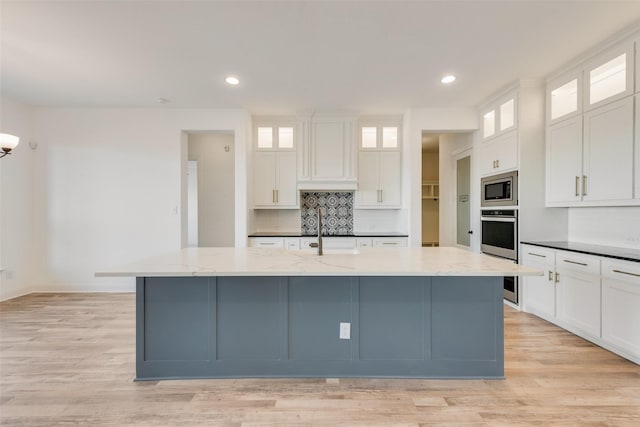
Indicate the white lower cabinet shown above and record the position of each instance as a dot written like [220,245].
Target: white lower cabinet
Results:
[364,242]
[621,306]
[266,242]
[597,298]
[578,291]
[539,292]
[389,242]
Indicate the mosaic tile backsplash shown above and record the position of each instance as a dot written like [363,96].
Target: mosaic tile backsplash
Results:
[337,212]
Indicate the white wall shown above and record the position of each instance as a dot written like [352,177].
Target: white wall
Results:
[415,121]
[16,203]
[111,186]
[451,144]
[214,153]
[619,226]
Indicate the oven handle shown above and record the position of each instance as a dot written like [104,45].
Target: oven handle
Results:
[492,219]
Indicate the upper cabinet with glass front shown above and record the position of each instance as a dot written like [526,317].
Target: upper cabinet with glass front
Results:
[274,134]
[564,96]
[499,116]
[379,135]
[609,76]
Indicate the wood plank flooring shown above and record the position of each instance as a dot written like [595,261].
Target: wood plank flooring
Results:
[68,360]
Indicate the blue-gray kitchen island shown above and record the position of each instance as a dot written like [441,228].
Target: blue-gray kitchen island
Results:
[236,312]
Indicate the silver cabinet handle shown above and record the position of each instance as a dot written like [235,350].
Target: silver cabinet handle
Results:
[584,185]
[498,163]
[390,243]
[626,272]
[534,254]
[381,199]
[267,244]
[273,196]
[550,275]
[557,277]
[277,196]
[575,262]
[577,186]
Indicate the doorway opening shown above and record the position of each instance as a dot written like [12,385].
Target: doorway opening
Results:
[210,189]
[447,191]
[430,190]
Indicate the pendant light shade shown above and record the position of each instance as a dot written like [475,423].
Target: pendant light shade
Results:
[7,143]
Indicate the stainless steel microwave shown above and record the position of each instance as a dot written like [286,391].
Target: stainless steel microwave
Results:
[500,190]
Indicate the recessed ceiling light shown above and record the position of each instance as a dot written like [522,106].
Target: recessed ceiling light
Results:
[233,81]
[448,79]
[162,101]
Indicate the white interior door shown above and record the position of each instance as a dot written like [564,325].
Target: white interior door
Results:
[192,203]
[463,199]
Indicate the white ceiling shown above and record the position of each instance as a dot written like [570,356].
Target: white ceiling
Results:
[370,57]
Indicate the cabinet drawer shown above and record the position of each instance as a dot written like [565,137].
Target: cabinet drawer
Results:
[306,241]
[266,242]
[364,243]
[339,242]
[537,255]
[292,243]
[386,242]
[578,263]
[623,271]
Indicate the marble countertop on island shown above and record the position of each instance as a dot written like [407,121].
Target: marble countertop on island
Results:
[442,261]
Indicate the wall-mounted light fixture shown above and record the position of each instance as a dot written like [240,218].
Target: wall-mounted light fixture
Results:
[7,143]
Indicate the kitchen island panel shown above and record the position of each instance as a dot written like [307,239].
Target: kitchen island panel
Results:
[467,316]
[317,306]
[394,318]
[249,321]
[232,327]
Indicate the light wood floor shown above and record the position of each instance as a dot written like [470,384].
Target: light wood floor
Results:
[68,359]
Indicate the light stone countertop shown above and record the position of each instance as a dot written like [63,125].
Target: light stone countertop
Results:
[439,261]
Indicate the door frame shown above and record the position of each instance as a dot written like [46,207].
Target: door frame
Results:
[455,156]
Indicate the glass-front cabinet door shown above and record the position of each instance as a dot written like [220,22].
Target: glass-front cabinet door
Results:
[564,97]
[609,76]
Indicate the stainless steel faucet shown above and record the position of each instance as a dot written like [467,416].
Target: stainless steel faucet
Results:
[319,244]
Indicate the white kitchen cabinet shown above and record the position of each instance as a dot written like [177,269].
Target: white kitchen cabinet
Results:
[590,158]
[275,163]
[266,242]
[292,243]
[564,96]
[275,180]
[390,242]
[499,115]
[379,164]
[379,180]
[379,134]
[328,157]
[578,292]
[597,298]
[608,152]
[363,242]
[609,76]
[499,154]
[621,306]
[539,291]
[564,162]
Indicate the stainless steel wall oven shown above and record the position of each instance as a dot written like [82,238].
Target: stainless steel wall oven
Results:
[500,238]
